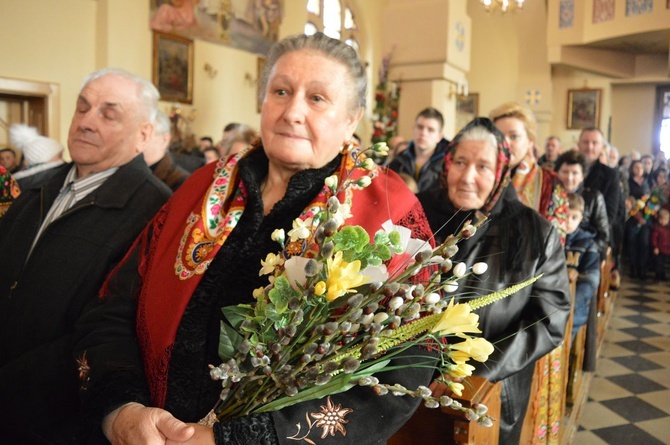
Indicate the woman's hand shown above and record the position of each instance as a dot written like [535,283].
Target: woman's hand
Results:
[203,436]
[136,424]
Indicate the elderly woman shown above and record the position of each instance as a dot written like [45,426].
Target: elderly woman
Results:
[517,243]
[536,187]
[570,168]
[160,312]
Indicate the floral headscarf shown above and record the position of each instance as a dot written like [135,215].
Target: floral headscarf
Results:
[9,190]
[502,171]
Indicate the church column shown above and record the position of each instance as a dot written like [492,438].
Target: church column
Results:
[430,45]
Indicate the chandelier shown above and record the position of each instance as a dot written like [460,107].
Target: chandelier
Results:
[502,5]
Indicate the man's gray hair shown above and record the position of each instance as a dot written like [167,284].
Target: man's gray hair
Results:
[148,94]
[161,124]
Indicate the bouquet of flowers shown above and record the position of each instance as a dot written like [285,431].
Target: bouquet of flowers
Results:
[338,308]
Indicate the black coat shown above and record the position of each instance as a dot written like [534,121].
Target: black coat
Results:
[606,180]
[430,172]
[595,219]
[42,297]
[517,244]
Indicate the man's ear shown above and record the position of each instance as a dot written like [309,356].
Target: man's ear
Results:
[145,135]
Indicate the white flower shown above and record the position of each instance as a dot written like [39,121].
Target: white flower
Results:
[278,236]
[377,274]
[459,270]
[368,164]
[269,264]
[294,270]
[343,213]
[480,268]
[301,229]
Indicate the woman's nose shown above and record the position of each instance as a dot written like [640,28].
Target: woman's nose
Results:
[295,110]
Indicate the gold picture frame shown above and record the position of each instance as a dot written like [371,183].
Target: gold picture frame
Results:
[172,71]
[584,108]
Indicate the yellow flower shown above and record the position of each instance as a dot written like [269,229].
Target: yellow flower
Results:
[460,370]
[320,288]
[457,319]
[456,387]
[343,276]
[476,348]
[271,261]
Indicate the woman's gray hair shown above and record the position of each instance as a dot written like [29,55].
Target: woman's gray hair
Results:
[479,133]
[147,93]
[329,47]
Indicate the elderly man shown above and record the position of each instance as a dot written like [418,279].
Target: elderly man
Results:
[552,150]
[424,156]
[59,240]
[606,180]
[159,159]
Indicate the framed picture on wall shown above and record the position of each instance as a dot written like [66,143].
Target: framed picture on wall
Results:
[260,62]
[173,67]
[583,108]
[467,108]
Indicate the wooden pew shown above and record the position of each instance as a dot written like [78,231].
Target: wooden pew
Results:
[446,426]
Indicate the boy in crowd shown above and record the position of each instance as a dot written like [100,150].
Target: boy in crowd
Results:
[660,243]
[583,261]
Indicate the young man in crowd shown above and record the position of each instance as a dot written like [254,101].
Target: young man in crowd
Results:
[424,156]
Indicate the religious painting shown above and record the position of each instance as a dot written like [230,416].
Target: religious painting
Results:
[173,67]
[467,108]
[249,25]
[583,108]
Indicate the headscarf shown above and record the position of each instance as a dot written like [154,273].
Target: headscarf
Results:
[502,169]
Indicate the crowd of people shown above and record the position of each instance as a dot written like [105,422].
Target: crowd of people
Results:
[115,265]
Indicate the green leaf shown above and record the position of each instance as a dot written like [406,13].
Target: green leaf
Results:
[237,314]
[351,238]
[229,340]
[337,385]
[382,237]
[281,294]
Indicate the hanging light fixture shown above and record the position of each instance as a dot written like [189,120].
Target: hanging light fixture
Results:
[502,5]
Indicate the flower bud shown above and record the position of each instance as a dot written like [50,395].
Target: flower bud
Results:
[380,390]
[278,236]
[432,298]
[330,367]
[395,303]
[452,250]
[479,268]
[445,266]
[366,319]
[370,308]
[329,227]
[345,327]
[380,317]
[333,204]
[311,268]
[294,303]
[432,403]
[423,256]
[327,249]
[450,287]
[331,182]
[459,270]
[322,379]
[364,181]
[350,365]
[329,328]
[355,300]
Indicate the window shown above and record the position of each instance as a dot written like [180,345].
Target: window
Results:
[663,128]
[335,19]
